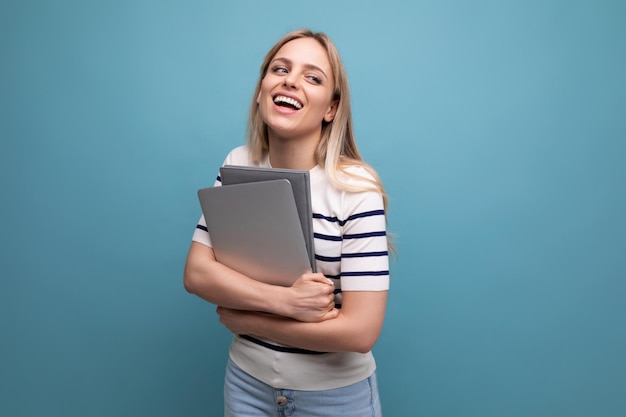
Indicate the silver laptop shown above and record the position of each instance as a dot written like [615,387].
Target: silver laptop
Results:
[300,183]
[255,229]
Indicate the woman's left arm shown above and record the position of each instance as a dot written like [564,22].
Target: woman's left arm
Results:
[356,329]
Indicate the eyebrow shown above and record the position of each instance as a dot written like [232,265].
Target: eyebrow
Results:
[308,66]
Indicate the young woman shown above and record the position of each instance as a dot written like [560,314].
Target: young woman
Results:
[308,352]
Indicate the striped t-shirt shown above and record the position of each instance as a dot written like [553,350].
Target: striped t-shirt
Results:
[351,249]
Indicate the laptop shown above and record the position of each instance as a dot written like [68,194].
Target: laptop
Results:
[300,182]
[255,229]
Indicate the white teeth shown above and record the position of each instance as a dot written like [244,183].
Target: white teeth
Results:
[288,100]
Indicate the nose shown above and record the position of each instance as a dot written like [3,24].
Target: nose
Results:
[291,80]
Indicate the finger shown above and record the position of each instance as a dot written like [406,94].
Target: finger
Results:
[330,314]
[322,279]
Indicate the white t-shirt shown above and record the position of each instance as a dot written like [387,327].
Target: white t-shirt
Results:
[351,249]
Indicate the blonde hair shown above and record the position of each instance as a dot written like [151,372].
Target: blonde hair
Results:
[337,149]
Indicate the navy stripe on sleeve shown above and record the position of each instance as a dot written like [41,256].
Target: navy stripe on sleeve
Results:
[327,237]
[202,228]
[350,255]
[364,273]
[364,254]
[352,217]
[349,236]
[364,235]
[328,258]
[328,219]
[366,214]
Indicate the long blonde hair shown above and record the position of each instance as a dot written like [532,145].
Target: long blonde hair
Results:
[337,149]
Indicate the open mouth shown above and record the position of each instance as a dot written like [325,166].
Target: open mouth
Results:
[289,102]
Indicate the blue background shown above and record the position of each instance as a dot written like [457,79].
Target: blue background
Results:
[498,127]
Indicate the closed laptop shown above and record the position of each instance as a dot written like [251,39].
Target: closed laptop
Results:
[255,229]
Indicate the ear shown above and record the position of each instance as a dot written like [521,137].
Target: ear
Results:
[331,112]
[258,98]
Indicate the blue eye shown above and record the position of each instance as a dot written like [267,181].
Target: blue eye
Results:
[315,79]
[279,69]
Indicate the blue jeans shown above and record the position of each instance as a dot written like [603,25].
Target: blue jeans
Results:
[246,396]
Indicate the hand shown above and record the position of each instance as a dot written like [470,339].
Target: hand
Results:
[312,299]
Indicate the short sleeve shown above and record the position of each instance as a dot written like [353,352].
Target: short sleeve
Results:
[364,253]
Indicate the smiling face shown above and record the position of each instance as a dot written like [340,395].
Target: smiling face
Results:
[296,93]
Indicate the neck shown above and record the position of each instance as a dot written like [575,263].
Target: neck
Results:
[293,153]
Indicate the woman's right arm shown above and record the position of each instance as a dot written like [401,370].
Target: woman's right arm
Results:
[309,299]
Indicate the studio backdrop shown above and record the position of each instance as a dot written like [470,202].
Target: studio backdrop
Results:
[497,127]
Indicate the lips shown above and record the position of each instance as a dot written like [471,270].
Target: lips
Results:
[285,101]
